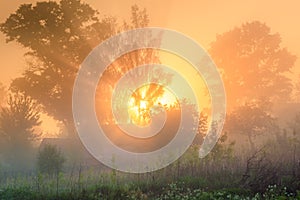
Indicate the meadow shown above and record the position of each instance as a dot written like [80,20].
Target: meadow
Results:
[223,174]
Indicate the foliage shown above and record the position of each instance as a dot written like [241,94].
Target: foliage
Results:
[298,88]
[221,150]
[50,160]
[214,177]
[58,35]
[2,93]
[252,119]
[18,119]
[17,122]
[295,124]
[139,18]
[253,63]
[172,191]
[202,128]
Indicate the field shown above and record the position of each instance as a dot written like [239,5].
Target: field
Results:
[264,174]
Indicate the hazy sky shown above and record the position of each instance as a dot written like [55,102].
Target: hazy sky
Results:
[201,20]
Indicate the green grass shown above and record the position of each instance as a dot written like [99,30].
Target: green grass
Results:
[171,191]
[220,175]
[102,186]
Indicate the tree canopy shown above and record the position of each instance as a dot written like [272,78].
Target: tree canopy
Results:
[17,122]
[18,119]
[2,93]
[58,36]
[253,63]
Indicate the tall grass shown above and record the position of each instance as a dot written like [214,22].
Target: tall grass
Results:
[271,171]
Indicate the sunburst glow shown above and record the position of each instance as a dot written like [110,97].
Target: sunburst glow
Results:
[146,98]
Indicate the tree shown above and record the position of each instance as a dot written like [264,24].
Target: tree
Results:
[50,160]
[253,63]
[252,119]
[295,124]
[59,35]
[50,79]
[298,88]
[2,93]
[17,122]
[202,128]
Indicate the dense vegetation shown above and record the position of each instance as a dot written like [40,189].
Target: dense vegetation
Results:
[221,175]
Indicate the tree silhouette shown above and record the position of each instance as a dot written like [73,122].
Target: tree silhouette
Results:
[17,122]
[298,88]
[2,93]
[59,35]
[252,119]
[50,160]
[253,63]
[295,124]
[152,93]
[202,128]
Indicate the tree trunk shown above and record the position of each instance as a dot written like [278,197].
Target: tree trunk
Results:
[252,145]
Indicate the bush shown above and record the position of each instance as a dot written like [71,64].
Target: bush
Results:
[50,160]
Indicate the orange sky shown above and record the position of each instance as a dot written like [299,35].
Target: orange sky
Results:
[201,20]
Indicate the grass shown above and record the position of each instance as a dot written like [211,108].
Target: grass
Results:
[132,191]
[92,184]
[266,174]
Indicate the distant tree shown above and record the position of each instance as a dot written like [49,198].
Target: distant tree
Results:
[253,63]
[295,124]
[17,122]
[202,128]
[50,160]
[139,18]
[298,88]
[223,150]
[252,119]
[2,93]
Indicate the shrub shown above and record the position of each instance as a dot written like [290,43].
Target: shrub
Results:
[50,160]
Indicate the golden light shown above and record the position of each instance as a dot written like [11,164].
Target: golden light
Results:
[143,105]
[145,98]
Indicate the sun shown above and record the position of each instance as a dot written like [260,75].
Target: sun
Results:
[145,98]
